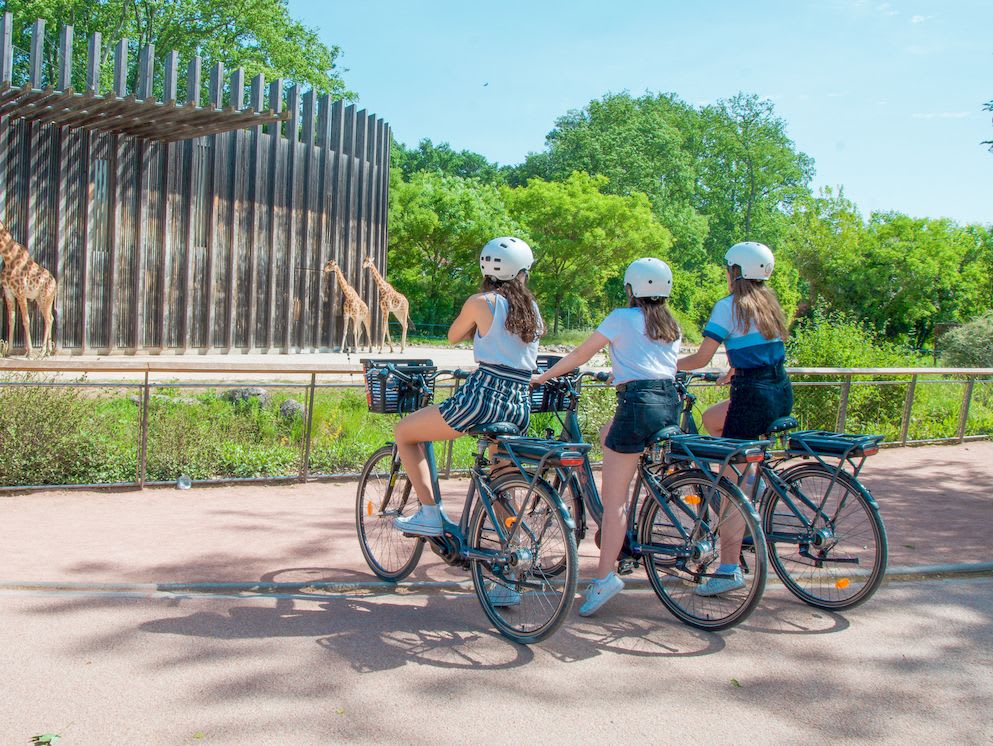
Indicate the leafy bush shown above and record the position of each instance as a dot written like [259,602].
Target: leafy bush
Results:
[970,345]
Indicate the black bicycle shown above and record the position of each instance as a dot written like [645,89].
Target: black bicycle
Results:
[513,525]
[683,504]
[827,541]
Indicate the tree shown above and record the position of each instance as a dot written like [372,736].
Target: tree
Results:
[258,35]
[582,236]
[443,159]
[438,223]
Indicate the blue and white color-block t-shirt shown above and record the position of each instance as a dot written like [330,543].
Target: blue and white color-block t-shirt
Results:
[746,348]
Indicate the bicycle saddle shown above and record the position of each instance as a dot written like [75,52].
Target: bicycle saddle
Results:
[782,424]
[494,429]
[665,433]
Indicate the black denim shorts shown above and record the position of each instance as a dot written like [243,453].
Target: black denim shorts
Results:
[643,408]
[758,396]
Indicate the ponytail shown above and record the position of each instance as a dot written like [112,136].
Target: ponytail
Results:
[755,305]
[522,309]
[660,325]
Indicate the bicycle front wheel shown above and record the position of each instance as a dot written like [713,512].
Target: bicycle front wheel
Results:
[385,493]
[521,597]
[681,539]
[827,542]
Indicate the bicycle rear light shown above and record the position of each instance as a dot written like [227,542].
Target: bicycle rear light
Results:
[752,456]
[571,458]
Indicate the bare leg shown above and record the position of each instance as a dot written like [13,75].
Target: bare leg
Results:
[713,418]
[732,524]
[422,426]
[618,471]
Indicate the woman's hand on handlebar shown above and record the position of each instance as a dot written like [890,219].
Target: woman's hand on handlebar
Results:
[725,377]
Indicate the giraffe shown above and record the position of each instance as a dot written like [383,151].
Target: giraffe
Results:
[23,279]
[355,308]
[392,301]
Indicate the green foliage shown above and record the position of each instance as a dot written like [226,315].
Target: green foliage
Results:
[970,345]
[443,159]
[582,236]
[259,35]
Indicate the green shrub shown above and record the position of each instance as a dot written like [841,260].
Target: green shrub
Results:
[970,345]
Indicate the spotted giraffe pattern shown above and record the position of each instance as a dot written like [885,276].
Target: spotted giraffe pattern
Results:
[354,308]
[392,301]
[21,280]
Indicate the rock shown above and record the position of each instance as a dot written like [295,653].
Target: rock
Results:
[291,409]
[247,393]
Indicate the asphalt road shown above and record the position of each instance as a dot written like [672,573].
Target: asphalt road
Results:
[914,665]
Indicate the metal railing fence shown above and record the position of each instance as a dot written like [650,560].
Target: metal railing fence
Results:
[141,376]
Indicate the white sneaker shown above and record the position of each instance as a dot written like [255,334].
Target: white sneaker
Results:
[501,595]
[600,592]
[425,522]
[717,586]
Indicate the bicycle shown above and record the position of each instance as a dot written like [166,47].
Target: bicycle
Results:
[827,541]
[511,526]
[674,530]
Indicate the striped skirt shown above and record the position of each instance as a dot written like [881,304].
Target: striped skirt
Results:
[492,393]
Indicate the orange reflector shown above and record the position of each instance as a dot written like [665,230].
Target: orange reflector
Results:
[752,456]
[842,583]
[870,450]
[368,508]
[691,499]
[571,461]
[509,521]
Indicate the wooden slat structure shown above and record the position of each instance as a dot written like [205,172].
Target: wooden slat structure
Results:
[176,227]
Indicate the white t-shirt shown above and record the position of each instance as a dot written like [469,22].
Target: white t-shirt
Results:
[636,357]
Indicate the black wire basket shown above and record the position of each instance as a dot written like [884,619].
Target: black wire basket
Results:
[545,398]
[391,395]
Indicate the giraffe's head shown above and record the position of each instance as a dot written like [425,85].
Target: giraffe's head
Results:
[331,266]
[367,263]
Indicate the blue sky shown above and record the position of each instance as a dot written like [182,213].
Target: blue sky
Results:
[885,96]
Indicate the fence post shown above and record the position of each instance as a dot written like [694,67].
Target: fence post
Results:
[143,448]
[964,411]
[846,386]
[908,405]
[305,466]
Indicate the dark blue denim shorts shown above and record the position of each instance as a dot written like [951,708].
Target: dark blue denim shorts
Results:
[758,396]
[643,408]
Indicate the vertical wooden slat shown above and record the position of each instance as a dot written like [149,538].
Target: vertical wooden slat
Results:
[305,260]
[166,152]
[323,145]
[238,89]
[293,138]
[337,235]
[121,68]
[146,71]
[65,58]
[93,52]
[276,105]
[138,285]
[37,53]
[256,103]
[113,235]
[237,179]
[86,203]
[189,296]
[194,71]
[215,93]
[215,89]
[6,47]
[171,77]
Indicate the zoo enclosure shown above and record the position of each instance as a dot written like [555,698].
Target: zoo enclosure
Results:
[848,380]
[171,227]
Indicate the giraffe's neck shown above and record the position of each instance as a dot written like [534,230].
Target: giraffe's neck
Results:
[9,248]
[342,281]
[378,278]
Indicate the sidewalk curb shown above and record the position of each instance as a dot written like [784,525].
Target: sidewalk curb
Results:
[365,588]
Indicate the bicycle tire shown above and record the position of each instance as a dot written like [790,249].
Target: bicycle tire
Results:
[389,554]
[675,580]
[549,597]
[833,586]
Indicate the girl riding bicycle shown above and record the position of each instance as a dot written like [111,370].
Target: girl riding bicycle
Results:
[644,344]
[504,323]
[751,325]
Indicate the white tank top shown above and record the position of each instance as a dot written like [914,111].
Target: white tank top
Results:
[501,347]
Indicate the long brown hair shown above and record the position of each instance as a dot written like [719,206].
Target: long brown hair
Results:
[660,324]
[522,309]
[755,304]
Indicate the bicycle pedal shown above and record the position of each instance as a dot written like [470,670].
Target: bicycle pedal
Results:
[627,566]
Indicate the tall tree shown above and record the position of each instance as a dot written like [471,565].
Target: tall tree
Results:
[581,236]
[259,35]
[443,159]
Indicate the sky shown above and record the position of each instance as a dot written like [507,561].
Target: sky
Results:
[885,96]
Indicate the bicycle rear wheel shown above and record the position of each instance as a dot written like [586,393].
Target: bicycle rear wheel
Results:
[389,554]
[525,601]
[680,538]
[832,558]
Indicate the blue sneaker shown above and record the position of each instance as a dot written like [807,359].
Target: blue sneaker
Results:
[717,586]
[501,595]
[425,522]
[600,592]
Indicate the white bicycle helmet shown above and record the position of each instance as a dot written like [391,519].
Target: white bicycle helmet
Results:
[504,258]
[755,259]
[649,278]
